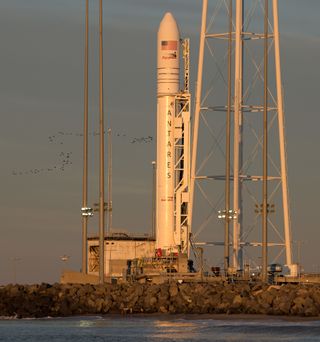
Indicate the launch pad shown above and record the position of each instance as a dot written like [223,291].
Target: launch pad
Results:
[168,254]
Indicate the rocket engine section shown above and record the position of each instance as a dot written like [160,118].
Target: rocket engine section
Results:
[168,86]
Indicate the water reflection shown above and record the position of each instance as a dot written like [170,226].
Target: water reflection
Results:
[175,329]
[86,324]
[159,329]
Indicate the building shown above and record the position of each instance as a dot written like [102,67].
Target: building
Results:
[118,249]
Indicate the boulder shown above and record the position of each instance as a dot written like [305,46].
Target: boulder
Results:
[173,290]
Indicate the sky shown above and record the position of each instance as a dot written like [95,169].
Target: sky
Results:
[41,96]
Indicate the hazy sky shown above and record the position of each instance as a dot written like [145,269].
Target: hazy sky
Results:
[41,96]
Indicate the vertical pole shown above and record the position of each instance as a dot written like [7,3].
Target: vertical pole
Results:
[85,145]
[101,171]
[201,262]
[109,207]
[228,119]
[237,135]
[240,265]
[283,161]
[197,108]
[154,182]
[265,153]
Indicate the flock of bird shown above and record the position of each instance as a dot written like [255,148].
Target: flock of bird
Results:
[64,159]
[57,138]
[145,140]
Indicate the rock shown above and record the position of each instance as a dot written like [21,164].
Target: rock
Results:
[315,295]
[214,299]
[172,309]
[173,290]
[163,297]
[163,309]
[282,305]
[65,300]
[266,297]
[237,301]
[153,301]
[304,306]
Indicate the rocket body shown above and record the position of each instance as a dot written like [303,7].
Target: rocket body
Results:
[168,71]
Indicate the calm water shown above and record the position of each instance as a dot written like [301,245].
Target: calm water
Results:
[159,328]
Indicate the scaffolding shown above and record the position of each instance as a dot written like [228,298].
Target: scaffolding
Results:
[182,158]
[239,108]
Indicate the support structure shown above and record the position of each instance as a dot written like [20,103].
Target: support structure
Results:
[228,147]
[255,171]
[283,156]
[85,210]
[154,198]
[238,97]
[265,150]
[109,205]
[101,154]
[196,118]
[182,157]
[181,167]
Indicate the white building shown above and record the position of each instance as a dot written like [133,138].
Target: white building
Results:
[118,249]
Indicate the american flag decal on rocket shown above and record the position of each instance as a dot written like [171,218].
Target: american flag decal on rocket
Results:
[169,45]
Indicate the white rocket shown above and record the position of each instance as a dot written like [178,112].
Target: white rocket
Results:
[168,87]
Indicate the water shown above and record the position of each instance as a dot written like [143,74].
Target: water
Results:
[159,328]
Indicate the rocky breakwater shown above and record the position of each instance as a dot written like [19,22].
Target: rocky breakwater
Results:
[187,298]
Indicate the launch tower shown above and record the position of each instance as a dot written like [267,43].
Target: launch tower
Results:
[241,175]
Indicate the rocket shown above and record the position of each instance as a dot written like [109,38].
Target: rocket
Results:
[168,75]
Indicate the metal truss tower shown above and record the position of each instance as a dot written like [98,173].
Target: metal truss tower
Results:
[239,136]
[182,156]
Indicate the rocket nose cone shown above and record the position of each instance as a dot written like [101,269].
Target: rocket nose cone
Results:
[168,25]
[168,16]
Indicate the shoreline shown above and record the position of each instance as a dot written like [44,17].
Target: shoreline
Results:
[215,301]
[185,317]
